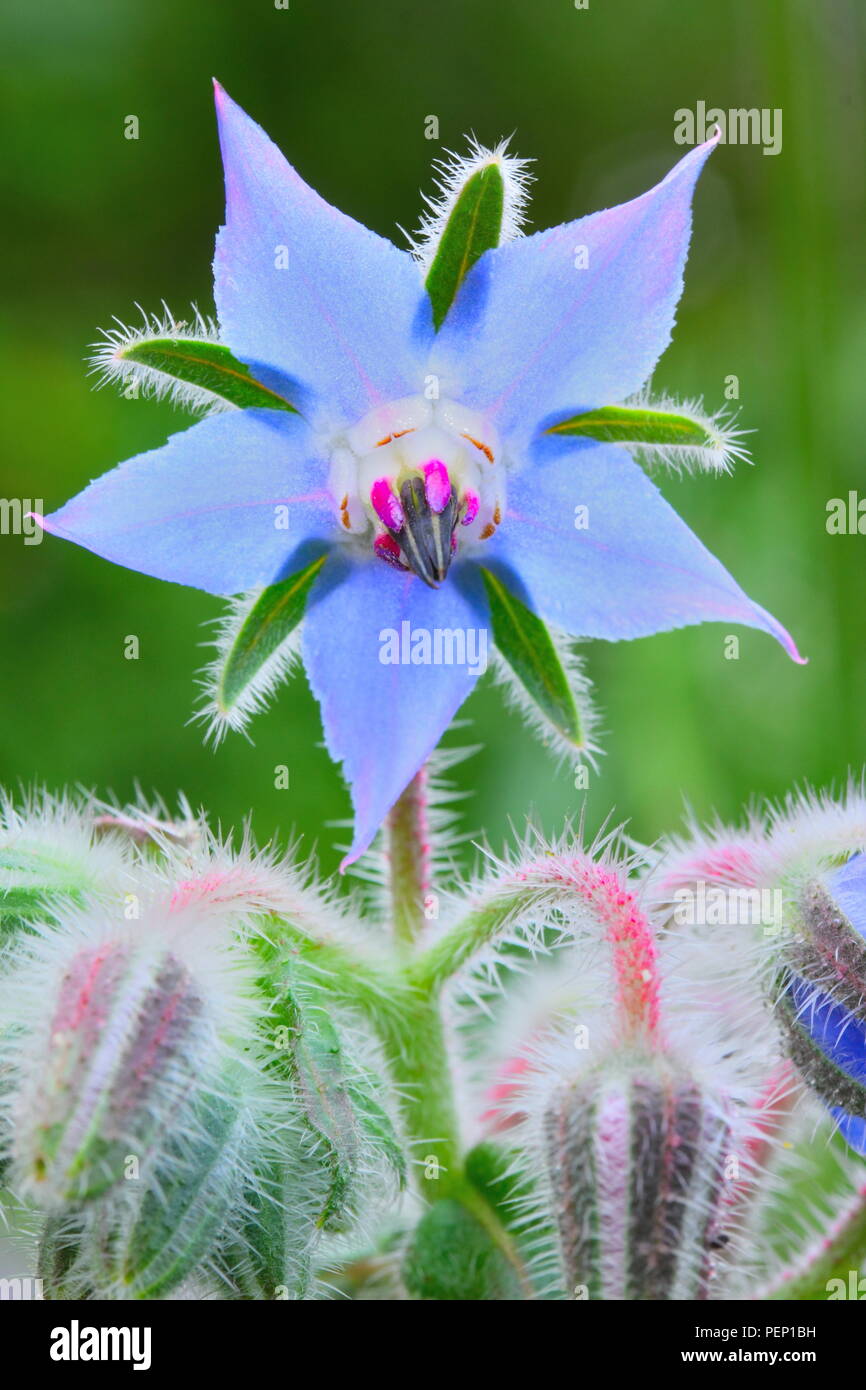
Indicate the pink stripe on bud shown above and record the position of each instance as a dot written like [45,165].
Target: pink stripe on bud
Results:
[386,505]
[471,503]
[437,485]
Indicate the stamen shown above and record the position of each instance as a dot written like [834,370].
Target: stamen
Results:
[485,449]
[387,549]
[386,505]
[405,495]
[398,434]
[426,534]
[437,484]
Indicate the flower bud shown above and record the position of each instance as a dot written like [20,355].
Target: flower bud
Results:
[118,1032]
[822,1002]
[635,1154]
[109,1070]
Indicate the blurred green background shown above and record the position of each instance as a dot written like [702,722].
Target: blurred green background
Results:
[774,295]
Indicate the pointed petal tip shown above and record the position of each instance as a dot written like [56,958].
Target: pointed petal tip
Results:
[785,640]
[794,653]
[350,859]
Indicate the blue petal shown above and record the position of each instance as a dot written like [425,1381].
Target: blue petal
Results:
[847,886]
[383,720]
[636,569]
[835,1030]
[851,1127]
[345,324]
[204,509]
[842,1038]
[533,337]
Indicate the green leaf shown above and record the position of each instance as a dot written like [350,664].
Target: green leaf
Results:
[474,226]
[525,643]
[58,1253]
[619,424]
[322,1091]
[273,1258]
[377,1126]
[275,615]
[206,365]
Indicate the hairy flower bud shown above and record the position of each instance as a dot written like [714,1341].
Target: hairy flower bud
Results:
[822,1000]
[117,1035]
[156,1233]
[635,1156]
[112,1069]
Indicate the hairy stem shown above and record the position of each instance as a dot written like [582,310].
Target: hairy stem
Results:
[409,859]
[348,978]
[421,1069]
[564,891]
[420,1066]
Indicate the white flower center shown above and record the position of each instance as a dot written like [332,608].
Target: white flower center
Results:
[424,479]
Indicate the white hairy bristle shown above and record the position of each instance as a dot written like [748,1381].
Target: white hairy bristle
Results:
[452,173]
[218,717]
[518,698]
[724,447]
[108,363]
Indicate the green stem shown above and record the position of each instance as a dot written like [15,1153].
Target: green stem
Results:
[348,977]
[405,1012]
[531,895]
[409,860]
[420,1066]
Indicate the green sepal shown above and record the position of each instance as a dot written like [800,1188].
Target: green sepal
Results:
[308,1055]
[177,1221]
[524,642]
[489,1169]
[508,1189]
[334,1099]
[620,424]
[206,365]
[273,618]
[473,227]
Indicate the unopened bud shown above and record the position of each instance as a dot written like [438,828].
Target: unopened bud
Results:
[822,1002]
[107,1074]
[635,1158]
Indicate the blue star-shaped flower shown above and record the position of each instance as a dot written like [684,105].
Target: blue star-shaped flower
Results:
[429,450]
